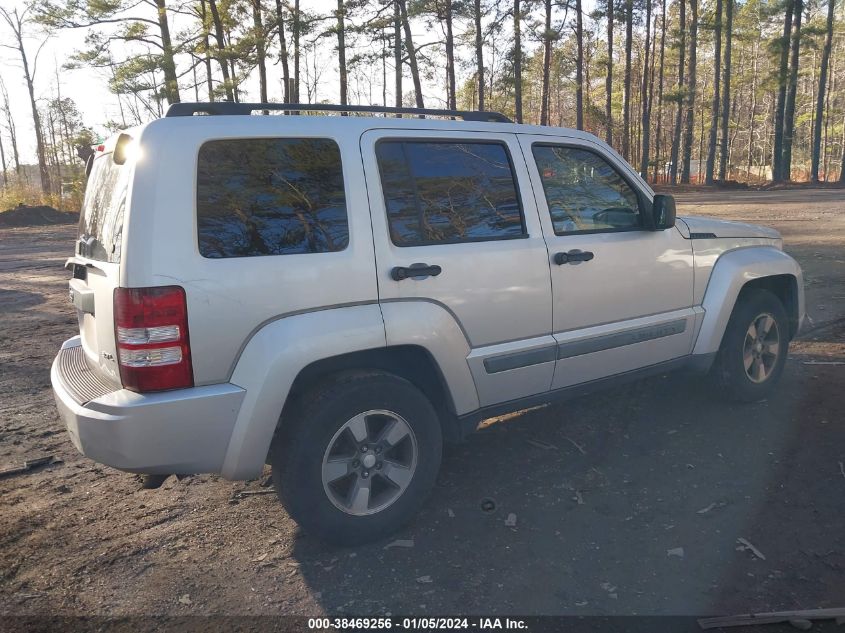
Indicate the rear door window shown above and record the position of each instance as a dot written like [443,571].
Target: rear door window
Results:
[444,192]
[270,197]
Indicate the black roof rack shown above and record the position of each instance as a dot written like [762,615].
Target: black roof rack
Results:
[232,108]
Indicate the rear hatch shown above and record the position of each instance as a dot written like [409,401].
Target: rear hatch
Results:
[96,261]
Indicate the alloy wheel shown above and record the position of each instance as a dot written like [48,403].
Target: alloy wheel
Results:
[760,347]
[369,462]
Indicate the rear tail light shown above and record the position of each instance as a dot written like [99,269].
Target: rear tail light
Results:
[151,328]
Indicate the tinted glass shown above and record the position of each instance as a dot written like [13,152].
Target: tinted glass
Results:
[101,220]
[584,192]
[438,192]
[270,197]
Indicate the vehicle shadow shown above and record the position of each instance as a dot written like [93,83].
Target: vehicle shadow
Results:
[798,523]
[629,501]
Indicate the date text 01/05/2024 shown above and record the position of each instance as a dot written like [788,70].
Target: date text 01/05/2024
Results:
[424,623]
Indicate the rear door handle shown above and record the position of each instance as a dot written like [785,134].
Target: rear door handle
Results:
[415,271]
[572,257]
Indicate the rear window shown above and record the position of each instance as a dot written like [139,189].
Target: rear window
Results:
[439,192]
[270,197]
[101,220]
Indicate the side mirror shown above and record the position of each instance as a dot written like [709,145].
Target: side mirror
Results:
[662,212]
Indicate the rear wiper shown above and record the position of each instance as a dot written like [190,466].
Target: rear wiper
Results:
[85,244]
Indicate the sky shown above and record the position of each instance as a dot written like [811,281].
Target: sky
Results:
[83,86]
[88,87]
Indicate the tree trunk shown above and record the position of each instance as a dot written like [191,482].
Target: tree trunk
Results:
[626,103]
[283,51]
[517,61]
[547,61]
[13,139]
[608,81]
[168,63]
[341,50]
[233,70]
[297,29]
[726,92]
[587,94]
[657,132]
[479,53]
[831,89]
[64,129]
[260,49]
[676,135]
[3,161]
[221,49]
[714,114]
[690,118]
[10,124]
[412,53]
[792,88]
[451,97]
[783,70]
[579,67]
[36,123]
[820,98]
[36,119]
[701,137]
[383,68]
[753,109]
[397,53]
[51,124]
[196,81]
[207,51]
[646,101]
[842,165]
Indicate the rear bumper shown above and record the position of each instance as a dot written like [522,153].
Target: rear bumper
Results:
[183,431]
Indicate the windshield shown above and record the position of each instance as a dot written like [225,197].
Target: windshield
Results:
[101,220]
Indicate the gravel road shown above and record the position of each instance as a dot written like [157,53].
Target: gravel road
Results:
[643,500]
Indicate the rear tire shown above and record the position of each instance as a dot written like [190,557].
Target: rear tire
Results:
[356,456]
[754,348]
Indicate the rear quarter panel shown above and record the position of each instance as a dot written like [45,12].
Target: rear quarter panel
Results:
[270,363]
[229,299]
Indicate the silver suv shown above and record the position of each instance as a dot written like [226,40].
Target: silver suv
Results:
[338,295]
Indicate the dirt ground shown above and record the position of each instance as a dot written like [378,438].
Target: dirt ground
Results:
[630,502]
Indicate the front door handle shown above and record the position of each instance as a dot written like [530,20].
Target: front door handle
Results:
[573,257]
[415,271]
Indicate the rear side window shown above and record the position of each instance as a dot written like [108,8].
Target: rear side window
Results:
[438,192]
[270,197]
[584,192]
[101,220]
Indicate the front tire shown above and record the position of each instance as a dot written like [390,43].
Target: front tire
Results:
[356,456]
[754,348]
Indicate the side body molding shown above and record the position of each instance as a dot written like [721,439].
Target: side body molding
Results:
[271,361]
[431,326]
[731,272]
